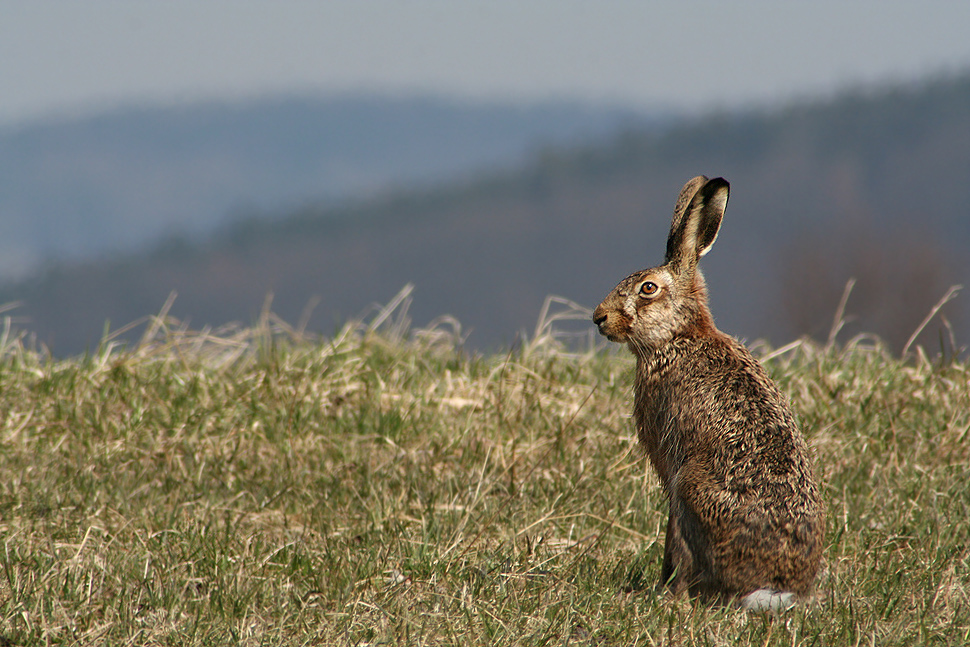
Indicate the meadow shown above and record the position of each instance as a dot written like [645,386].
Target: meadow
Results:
[383,486]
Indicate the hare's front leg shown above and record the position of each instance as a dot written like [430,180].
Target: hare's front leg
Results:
[677,570]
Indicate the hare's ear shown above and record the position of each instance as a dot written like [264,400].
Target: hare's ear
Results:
[697,219]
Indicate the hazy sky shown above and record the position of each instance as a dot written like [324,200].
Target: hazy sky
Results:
[70,57]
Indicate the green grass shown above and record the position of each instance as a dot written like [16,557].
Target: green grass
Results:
[255,487]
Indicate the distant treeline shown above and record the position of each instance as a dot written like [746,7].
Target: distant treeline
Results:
[79,187]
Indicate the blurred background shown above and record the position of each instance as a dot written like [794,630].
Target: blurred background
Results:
[489,153]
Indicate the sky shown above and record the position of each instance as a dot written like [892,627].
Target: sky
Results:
[75,58]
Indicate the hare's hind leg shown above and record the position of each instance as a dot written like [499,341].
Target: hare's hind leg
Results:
[687,566]
[677,571]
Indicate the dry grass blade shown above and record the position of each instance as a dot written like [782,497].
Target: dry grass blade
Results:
[949,296]
[838,321]
[549,333]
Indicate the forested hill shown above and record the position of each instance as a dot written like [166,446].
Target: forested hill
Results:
[870,185]
[81,186]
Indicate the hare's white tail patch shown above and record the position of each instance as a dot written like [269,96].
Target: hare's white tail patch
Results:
[768,601]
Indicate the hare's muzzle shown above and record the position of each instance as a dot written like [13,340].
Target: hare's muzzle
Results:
[601,318]
[611,322]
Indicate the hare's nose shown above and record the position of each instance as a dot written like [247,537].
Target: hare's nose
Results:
[599,318]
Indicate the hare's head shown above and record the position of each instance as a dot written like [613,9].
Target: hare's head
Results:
[651,307]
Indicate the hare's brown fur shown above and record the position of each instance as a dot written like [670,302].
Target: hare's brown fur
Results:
[745,509]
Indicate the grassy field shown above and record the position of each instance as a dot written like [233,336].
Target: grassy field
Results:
[256,487]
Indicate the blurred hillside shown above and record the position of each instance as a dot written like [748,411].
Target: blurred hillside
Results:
[868,185]
[81,187]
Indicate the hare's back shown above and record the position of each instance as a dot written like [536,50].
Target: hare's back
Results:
[743,422]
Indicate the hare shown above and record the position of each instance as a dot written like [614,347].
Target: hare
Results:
[746,518]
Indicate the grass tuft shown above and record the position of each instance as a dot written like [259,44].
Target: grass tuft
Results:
[258,486]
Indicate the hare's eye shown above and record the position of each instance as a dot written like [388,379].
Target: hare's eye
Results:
[649,289]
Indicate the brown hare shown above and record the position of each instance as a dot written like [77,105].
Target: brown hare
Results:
[746,519]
